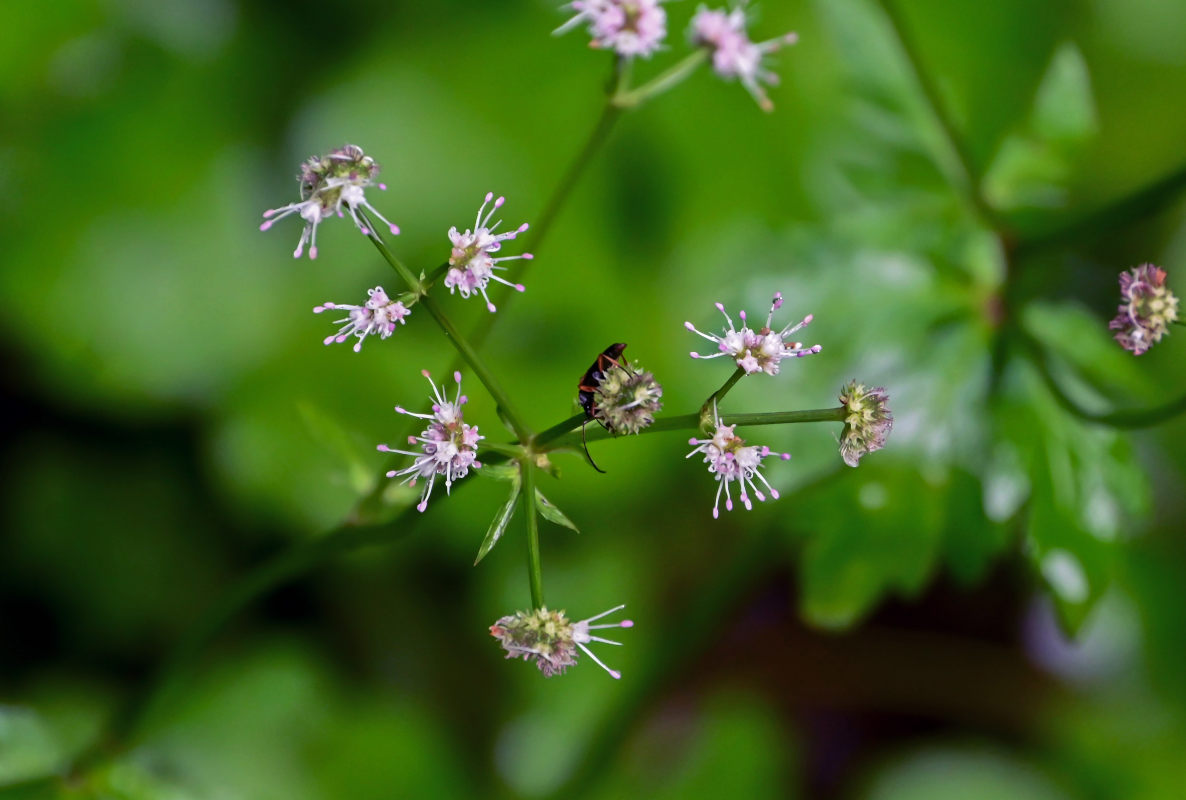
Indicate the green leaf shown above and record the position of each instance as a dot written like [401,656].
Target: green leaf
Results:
[28,748]
[499,472]
[888,539]
[551,513]
[1036,161]
[1085,490]
[499,524]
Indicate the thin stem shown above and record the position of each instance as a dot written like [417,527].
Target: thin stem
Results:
[710,405]
[561,437]
[665,80]
[471,357]
[560,428]
[401,269]
[967,179]
[464,349]
[534,570]
[1125,419]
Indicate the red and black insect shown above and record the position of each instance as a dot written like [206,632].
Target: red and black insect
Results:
[587,389]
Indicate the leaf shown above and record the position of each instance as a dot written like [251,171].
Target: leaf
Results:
[1036,161]
[887,540]
[552,513]
[1086,489]
[330,433]
[499,472]
[27,745]
[499,524]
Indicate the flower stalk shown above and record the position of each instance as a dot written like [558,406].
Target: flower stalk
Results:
[535,574]
[625,98]
[463,347]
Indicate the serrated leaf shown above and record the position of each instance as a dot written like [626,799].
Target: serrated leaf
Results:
[499,524]
[1085,487]
[888,540]
[549,511]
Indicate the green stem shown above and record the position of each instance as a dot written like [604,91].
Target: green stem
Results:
[966,178]
[401,269]
[534,570]
[464,348]
[709,409]
[1126,419]
[665,80]
[471,357]
[560,428]
[562,435]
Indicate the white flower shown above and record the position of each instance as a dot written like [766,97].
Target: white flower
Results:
[729,460]
[760,350]
[378,315]
[327,184]
[628,27]
[471,267]
[448,446]
[733,54]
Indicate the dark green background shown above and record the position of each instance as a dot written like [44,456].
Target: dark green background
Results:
[885,632]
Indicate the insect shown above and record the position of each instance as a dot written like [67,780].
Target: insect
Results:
[588,385]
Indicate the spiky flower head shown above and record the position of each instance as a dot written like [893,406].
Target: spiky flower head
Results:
[868,422]
[627,399]
[471,267]
[550,640]
[760,350]
[628,27]
[1147,309]
[328,183]
[723,33]
[378,315]
[730,460]
[448,446]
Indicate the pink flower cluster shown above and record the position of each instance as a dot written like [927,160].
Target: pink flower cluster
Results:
[448,446]
[1147,309]
[378,315]
[471,267]
[628,27]
[328,184]
[730,460]
[758,350]
[734,56]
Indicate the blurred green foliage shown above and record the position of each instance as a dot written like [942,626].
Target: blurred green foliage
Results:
[176,422]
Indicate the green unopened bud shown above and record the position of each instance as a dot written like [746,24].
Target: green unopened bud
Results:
[626,400]
[868,422]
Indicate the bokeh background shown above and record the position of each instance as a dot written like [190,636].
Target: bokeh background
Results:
[991,607]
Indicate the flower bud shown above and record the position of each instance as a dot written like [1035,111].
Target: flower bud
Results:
[868,423]
[626,400]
